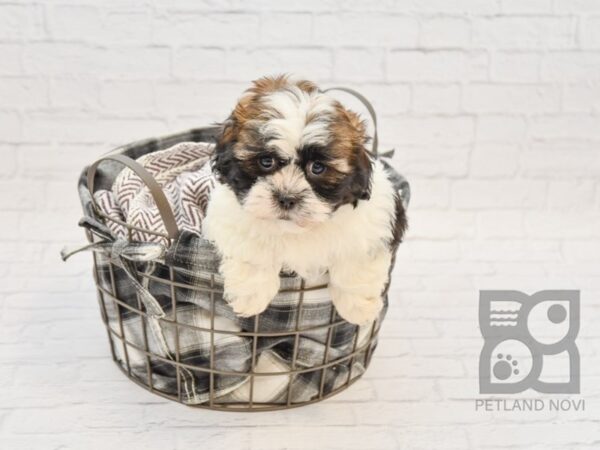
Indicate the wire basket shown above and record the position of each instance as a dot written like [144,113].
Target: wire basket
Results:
[171,332]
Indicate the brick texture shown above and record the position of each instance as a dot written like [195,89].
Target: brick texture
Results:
[493,109]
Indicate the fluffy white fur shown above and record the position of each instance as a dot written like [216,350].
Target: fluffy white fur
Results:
[352,244]
[293,106]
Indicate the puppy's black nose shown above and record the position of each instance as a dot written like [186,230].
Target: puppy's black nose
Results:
[286,202]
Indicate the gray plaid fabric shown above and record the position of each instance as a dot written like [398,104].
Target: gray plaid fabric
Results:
[139,271]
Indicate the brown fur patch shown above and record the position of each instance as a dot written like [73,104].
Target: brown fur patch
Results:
[347,129]
[250,111]
[348,133]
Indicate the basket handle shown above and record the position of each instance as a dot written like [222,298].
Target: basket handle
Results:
[367,104]
[164,208]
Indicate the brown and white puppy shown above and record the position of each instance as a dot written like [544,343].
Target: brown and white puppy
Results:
[299,192]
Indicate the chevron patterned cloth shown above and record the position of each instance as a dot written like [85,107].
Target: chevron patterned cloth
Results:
[179,315]
[184,173]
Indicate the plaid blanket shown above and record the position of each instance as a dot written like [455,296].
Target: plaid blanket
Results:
[178,321]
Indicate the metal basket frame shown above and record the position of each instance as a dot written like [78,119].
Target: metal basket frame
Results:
[120,337]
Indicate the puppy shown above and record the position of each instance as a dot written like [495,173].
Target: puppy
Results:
[299,192]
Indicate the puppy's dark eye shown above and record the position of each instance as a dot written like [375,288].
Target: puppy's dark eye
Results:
[316,168]
[266,162]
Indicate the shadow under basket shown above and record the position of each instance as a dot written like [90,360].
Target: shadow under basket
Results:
[171,331]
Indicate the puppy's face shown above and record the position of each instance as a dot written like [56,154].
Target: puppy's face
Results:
[292,154]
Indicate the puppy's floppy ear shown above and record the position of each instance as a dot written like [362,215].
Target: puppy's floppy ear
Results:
[360,185]
[352,136]
[223,158]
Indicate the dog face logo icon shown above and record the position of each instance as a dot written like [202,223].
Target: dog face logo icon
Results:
[529,342]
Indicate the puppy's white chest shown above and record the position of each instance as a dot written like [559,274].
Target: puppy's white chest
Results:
[308,265]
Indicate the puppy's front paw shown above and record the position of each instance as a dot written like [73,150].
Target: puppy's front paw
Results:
[248,290]
[248,305]
[355,308]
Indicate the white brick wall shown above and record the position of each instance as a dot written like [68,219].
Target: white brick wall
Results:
[493,107]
